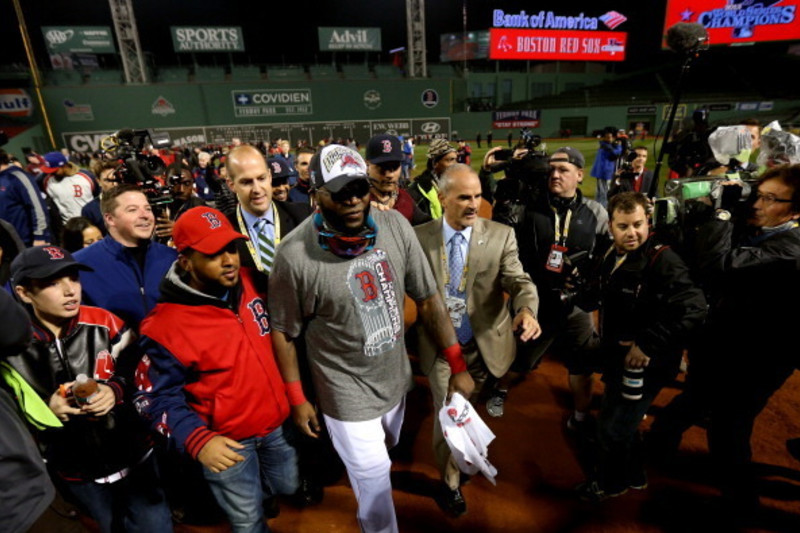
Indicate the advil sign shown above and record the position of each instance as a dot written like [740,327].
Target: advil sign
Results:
[15,103]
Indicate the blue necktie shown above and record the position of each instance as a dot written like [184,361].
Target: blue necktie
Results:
[456,265]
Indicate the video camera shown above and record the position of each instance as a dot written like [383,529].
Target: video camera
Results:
[138,168]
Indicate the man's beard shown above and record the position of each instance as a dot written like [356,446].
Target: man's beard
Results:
[337,223]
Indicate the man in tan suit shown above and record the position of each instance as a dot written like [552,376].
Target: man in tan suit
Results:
[475,262]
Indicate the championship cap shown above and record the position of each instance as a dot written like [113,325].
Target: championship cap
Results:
[40,262]
[203,229]
[335,166]
[384,148]
[53,161]
[568,154]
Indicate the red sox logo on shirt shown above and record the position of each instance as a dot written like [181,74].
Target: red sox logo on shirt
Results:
[461,419]
[140,377]
[276,167]
[213,220]
[54,252]
[367,281]
[260,315]
[78,191]
[103,366]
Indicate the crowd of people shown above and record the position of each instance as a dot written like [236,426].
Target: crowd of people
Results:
[256,323]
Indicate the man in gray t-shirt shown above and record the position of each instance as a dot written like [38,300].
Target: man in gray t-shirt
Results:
[339,279]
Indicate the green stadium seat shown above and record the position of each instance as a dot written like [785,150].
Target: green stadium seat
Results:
[209,74]
[104,77]
[173,75]
[356,72]
[245,73]
[323,72]
[388,72]
[286,74]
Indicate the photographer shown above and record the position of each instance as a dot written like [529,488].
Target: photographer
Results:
[648,307]
[605,164]
[526,168]
[741,359]
[633,176]
[561,224]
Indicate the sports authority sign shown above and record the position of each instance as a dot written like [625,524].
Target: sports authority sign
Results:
[86,39]
[563,45]
[516,119]
[270,102]
[207,38]
[349,39]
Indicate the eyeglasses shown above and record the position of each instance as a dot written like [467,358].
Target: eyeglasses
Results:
[358,189]
[769,199]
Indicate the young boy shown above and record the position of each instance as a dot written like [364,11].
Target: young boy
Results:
[101,454]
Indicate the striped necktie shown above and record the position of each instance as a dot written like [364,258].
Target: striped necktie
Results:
[266,247]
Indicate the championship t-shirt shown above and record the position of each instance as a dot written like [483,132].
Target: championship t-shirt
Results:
[351,311]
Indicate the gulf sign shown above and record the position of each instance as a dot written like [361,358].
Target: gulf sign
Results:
[738,21]
[561,45]
[15,103]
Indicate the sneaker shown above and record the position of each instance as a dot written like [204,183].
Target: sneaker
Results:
[496,402]
[591,491]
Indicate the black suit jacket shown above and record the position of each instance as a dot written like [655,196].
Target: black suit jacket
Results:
[290,215]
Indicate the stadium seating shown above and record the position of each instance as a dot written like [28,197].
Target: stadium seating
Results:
[173,75]
[286,73]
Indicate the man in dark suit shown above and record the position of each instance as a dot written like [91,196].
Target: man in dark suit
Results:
[638,179]
[475,262]
[256,215]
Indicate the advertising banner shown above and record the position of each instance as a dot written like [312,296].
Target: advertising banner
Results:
[516,119]
[207,38]
[738,21]
[563,45]
[85,39]
[349,39]
[269,102]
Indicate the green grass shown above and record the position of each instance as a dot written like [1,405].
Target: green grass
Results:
[587,146]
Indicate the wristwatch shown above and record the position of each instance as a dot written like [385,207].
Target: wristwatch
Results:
[722,214]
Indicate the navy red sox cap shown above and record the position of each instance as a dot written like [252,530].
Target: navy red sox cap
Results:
[279,168]
[383,148]
[204,229]
[41,262]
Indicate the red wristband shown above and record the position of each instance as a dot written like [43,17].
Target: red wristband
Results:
[294,390]
[455,358]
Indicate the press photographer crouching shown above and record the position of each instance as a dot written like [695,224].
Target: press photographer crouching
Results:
[750,270]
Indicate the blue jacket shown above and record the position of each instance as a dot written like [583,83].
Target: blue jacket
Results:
[606,162]
[118,284]
[22,205]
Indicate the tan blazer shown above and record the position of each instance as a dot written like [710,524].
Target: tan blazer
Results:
[493,267]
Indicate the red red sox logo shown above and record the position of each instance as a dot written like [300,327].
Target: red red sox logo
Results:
[260,315]
[54,252]
[350,161]
[213,220]
[367,281]
[103,366]
[140,377]
[78,191]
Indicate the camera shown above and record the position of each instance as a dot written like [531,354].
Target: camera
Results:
[138,168]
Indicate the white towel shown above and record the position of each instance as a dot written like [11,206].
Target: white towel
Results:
[467,436]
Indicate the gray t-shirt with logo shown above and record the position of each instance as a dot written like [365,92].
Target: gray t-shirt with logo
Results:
[351,311]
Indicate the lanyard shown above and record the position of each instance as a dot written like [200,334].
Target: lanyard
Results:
[250,247]
[446,268]
[561,237]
